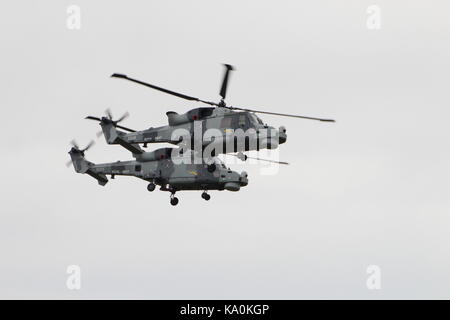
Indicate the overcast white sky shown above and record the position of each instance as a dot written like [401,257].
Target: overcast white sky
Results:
[372,189]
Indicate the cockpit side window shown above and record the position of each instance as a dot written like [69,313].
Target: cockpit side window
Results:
[255,118]
[205,112]
[259,120]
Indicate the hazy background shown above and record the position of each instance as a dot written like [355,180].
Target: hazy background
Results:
[372,188]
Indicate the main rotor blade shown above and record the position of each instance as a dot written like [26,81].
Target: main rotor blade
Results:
[256,158]
[125,128]
[267,160]
[282,114]
[93,118]
[179,95]
[223,89]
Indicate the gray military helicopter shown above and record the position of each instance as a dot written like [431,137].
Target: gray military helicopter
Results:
[114,136]
[164,168]
[225,120]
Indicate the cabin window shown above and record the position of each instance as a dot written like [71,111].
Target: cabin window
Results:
[226,122]
[206,112]
[137,168]
[242,120]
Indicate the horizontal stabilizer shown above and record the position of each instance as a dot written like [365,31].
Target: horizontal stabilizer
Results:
[133,148]
[101,178]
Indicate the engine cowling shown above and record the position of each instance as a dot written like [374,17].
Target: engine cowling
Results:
[192,115]
[158,154]
[177,119]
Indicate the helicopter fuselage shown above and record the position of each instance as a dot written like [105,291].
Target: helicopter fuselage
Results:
[172,173]
[226,130]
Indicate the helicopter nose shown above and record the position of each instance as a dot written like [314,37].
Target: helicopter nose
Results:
[282,136]
[243,178]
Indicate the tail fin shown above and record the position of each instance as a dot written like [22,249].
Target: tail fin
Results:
[81,165]
[110,132]
[112,136]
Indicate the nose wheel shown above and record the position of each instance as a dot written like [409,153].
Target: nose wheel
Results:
[206,196]
[173,199]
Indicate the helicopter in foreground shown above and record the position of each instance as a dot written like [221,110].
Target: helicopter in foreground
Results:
[161,167]
[227,129]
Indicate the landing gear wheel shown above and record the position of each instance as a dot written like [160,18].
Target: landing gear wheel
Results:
[174,201]
[151,187]
[206,196]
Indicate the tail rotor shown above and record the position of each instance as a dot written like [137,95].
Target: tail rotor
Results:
[77,151]
[109,120]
